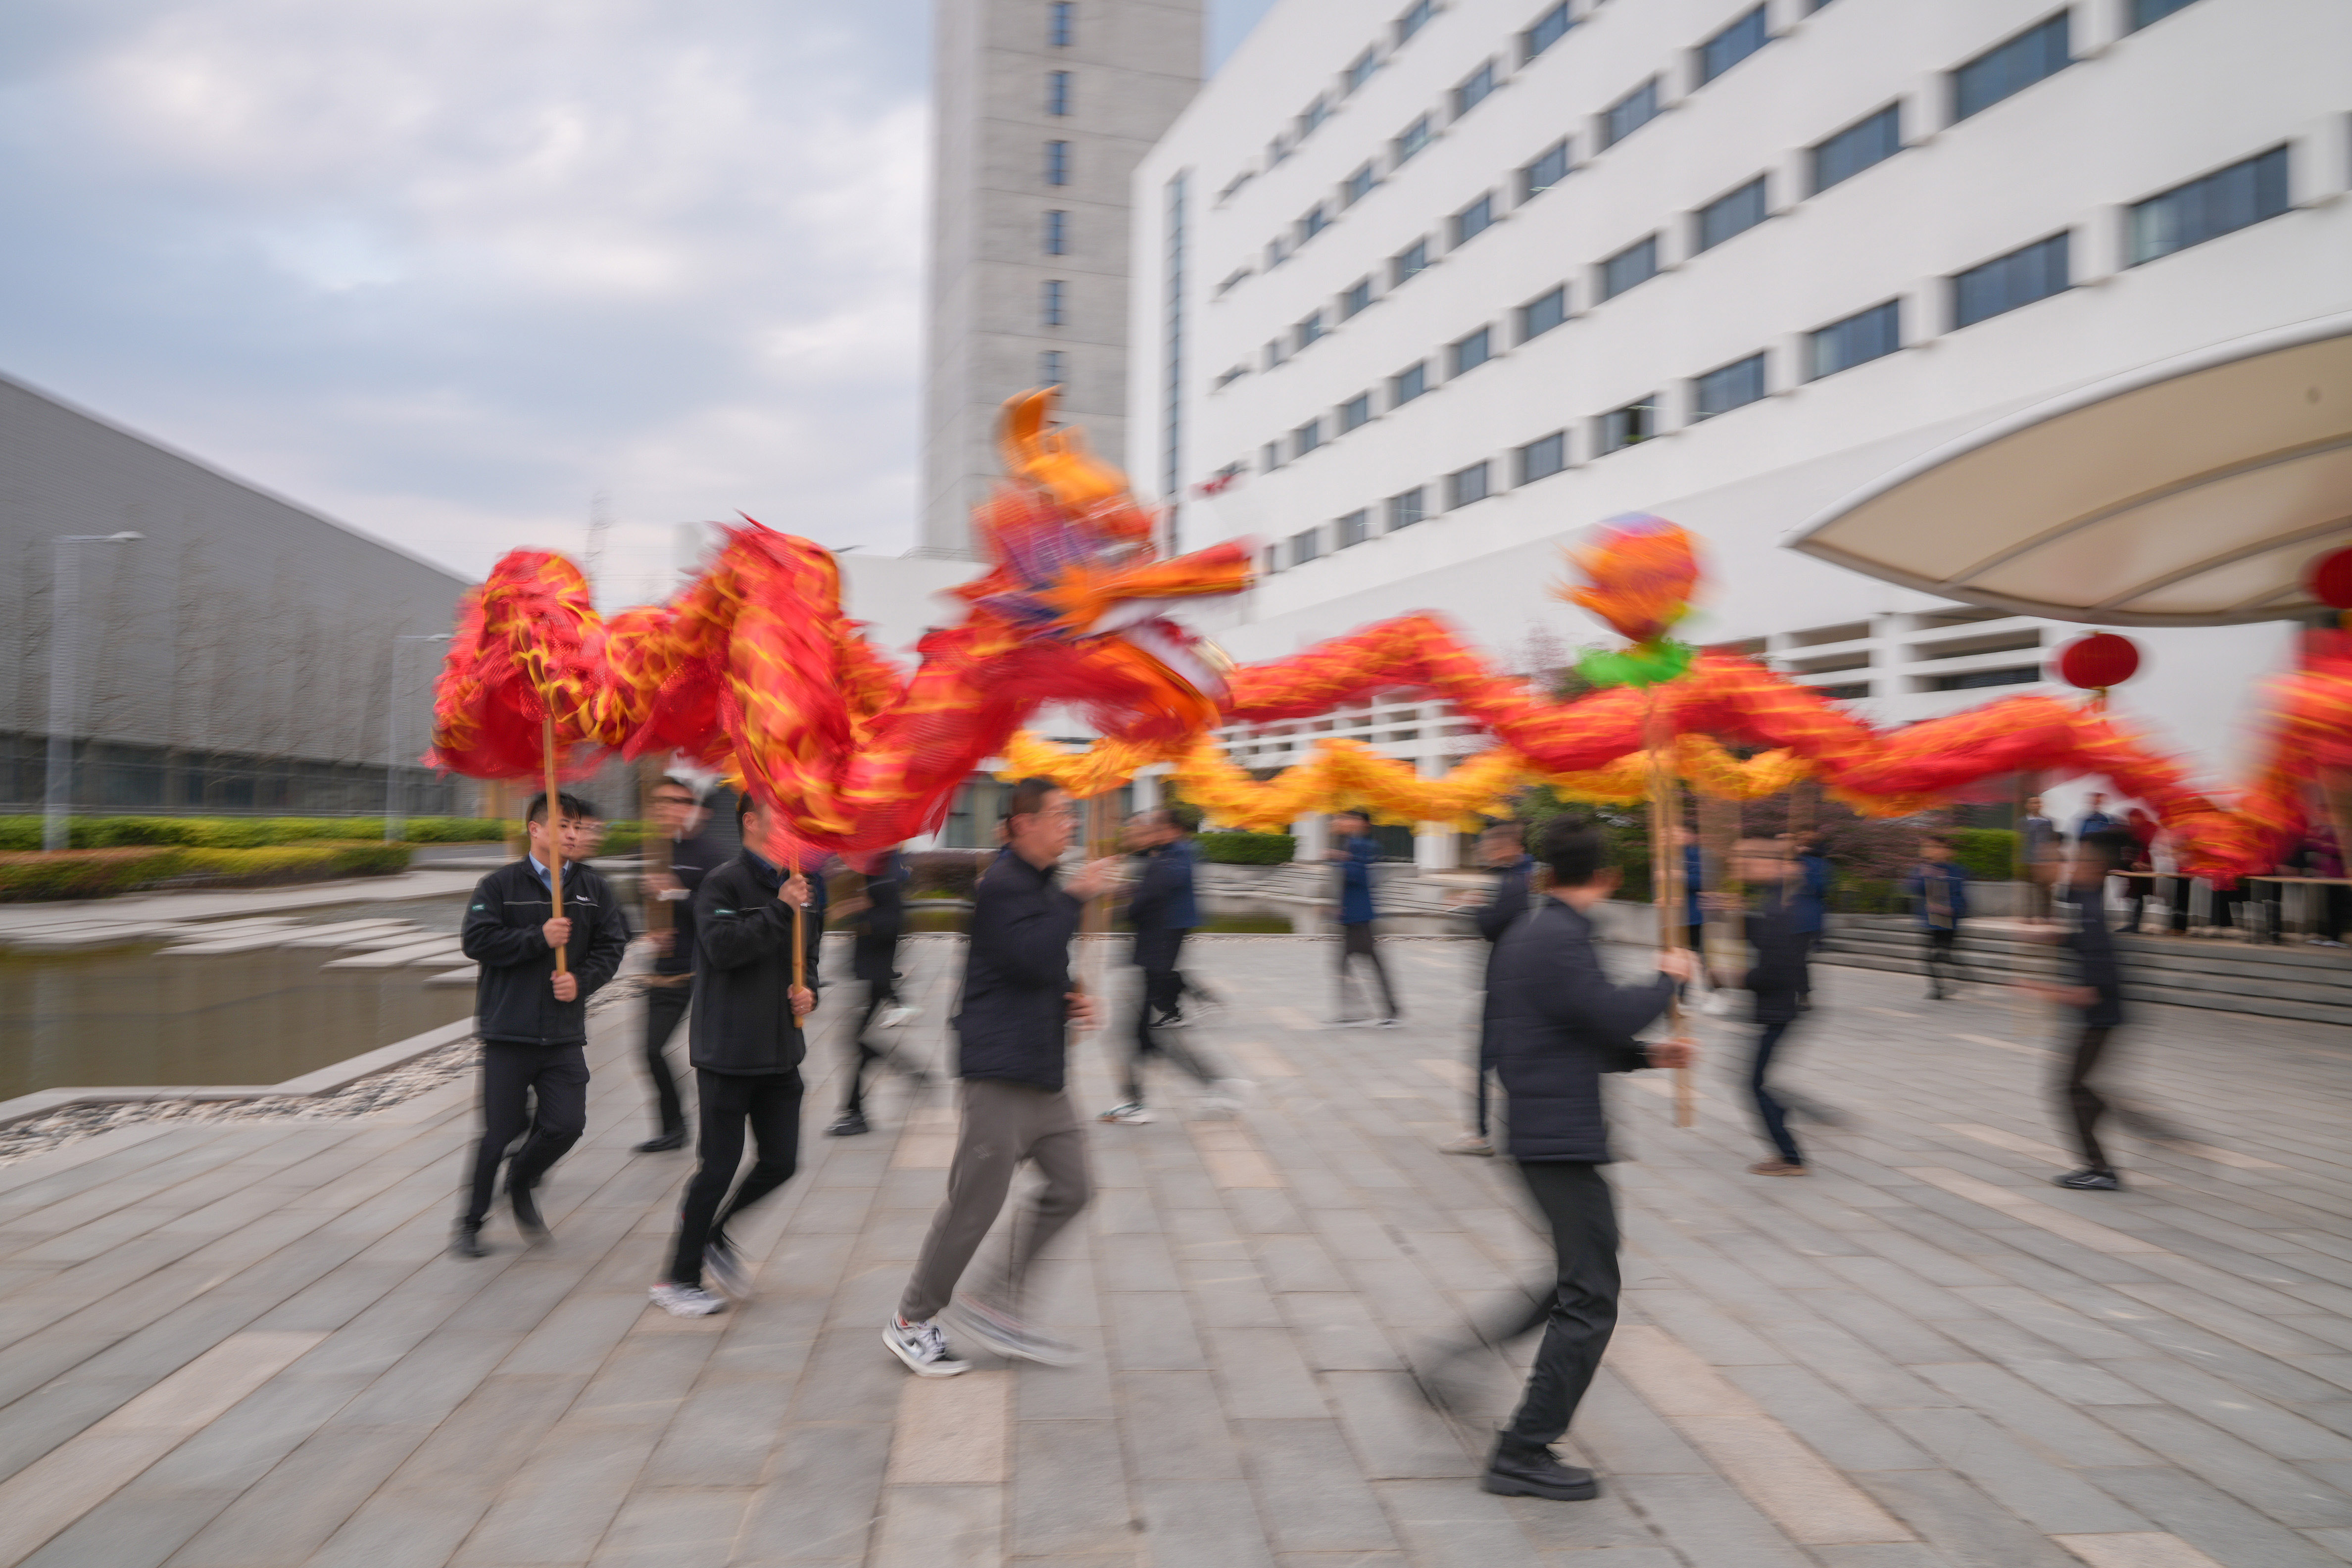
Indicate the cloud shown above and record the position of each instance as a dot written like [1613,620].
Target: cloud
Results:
[444,269]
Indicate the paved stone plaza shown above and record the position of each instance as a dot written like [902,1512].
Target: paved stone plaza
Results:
[240,1346]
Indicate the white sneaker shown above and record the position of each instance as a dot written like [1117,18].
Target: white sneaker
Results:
[897,1017]
[727,1272]
[1133,1113]
[1227,1097]
[922,1347]
[686,1301]
[1009,1336]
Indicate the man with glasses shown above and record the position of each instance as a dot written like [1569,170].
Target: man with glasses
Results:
[676,808]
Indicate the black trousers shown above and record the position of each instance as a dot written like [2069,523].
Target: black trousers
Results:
[1156,999]
[1488,1063]
[879,993]
[1581,1313]
[511,1076]
[771,1103]
[1356,941]
[1943,962]
[1769,1111]
[665,1006]
[2078,1100]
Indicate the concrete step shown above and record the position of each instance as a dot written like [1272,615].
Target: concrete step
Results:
[354,934]
[466,976]
[2251,993]
[436,948]
[2254,971]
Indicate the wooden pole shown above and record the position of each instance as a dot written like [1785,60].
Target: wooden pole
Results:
[554,834]
[1666,882]
[1097,921]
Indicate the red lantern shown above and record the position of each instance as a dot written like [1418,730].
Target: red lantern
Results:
[2330,580]
[2098,662]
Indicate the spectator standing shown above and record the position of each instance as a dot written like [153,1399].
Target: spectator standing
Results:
[1809,908]
[1940,893]
[2095,818]
[678,815]
[1357,852]
[746,1044]
[1502,848]
[2037,847]
[534,1021]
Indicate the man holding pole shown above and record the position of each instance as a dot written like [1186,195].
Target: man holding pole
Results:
[546,935]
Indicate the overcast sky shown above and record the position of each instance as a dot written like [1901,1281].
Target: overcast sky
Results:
[446,269]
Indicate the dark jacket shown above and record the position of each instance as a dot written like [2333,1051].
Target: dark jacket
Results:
[1504,904]
[742,1023]
[1556,1025]
[1184,908]
[1693,885]
[1809,903]
[690,860]
[1016,976]
[873,951]
[1162,890]
[1776,969]
[1363,853]
[514,1002]
[1950,886]
[2093,947]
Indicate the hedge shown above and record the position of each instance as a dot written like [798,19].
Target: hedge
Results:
[21,833]
[1239,848]
[1986,854]
[100,873]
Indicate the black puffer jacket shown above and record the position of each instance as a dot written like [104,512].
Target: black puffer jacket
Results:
[1555,1024]
[1016,976]
[1776,975]
[514,1002]
[691,861]
[2093,946]
[1159,877]
[742,1021]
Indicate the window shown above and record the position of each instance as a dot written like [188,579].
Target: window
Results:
[1051,307]
[2146,12]
[1314,221]
[1352,529]
[1357,299]
[1857,147]
[1273,557]
[1734,213]
[1408,383]
[2012,68]
[1733,45]
[1411,140]
[1057,237]
[2221,203]
[1978,679]
[1307,437]
[1356,412]
[1474,220]
[1359,185]
[1409,262]
[1733,385]
[1057,92]
[1229,376]
[1404,510]
[1310,329]
[1629,113]
[1473,89]
[1470,352]
[1274,354]
[1277,151]
[1058,23]
[1306,545]
[1548,29]
[1360,71]
[1871,334]
[1275,253]
[1050,368]
[1313,115]
[1544,456]
[1269,457]
[2034,272]
[1630,425]
[1466,485]
[1637,263]
[1550,169]
[1057,162]
[1417,16]
[1542,313]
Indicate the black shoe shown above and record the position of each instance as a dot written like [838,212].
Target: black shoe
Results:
[468,1242]
[1517,1470]
[526,1211]
[663,1144]
[2090,1181]
[850,1125]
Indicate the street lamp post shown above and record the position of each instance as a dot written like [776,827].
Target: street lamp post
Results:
[393,823]
[63,590]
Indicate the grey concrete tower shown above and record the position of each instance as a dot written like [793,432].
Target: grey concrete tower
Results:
[1044,108]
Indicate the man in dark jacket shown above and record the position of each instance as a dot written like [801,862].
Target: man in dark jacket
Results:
[676,812]
[2097,997]
[1775,979]
[1357,852]
[1940,891]
[1018,1003]
[1503,849]
[1160,908]
[878,919]
[746,1045]
[1559,1025]
[534,1021]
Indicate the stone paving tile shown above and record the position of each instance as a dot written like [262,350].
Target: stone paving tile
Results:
[2018,1376]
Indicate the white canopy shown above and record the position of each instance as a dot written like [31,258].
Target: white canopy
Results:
[2193,492]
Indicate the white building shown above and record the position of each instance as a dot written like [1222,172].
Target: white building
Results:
[1441,289]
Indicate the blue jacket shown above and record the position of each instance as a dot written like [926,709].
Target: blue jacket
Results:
[1693,884]
[1163,889]
[1809,901]
[1016,976]
[1183,910]
[1555,1024]
[1954,886]
[1356,879]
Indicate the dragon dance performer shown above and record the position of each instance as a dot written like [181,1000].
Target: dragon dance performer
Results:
[678,814]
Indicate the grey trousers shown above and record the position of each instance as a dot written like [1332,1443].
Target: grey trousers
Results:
[1003,1124]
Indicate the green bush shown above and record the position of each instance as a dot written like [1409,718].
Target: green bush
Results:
[1986,854]
[452,830]
[293,863]
[83,873]
[1230,847]
[24,833]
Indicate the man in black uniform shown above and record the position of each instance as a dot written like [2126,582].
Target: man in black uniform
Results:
[534,1021]
[1502,848]
[1559,1025]
[669,989]
[746,1045]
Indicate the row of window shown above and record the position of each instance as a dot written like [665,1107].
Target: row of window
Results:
[2210,206]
